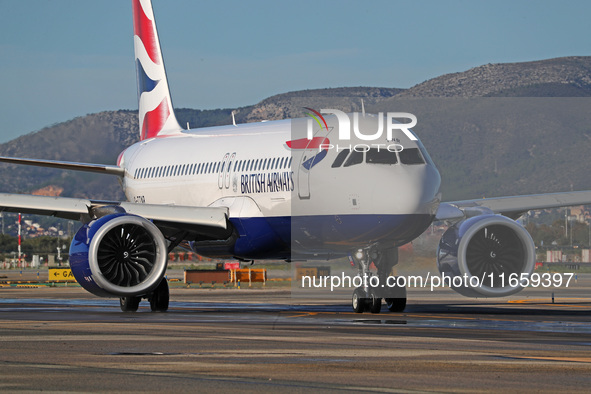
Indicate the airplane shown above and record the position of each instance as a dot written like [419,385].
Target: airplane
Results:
[277,190]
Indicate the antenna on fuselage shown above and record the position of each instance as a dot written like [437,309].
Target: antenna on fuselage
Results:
[233,119]
[362,108]
[188,128]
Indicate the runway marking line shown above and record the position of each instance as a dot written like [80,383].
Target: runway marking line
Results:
[560,359]
[567,305]
[305,314]
[544,300]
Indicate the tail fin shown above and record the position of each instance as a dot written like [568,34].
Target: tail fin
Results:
[156,114]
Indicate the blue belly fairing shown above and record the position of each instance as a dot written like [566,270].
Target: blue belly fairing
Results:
[317,237]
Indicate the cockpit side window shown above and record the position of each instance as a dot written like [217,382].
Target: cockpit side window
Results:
[340,158]
[411,156]
[354,158]
[382,156]
[425,153]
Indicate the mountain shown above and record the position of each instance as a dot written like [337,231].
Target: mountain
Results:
[559,77]
[96,138]
[500,146]
[291,105]
[485,138]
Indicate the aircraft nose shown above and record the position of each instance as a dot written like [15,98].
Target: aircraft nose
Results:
[418,191]
[430,193]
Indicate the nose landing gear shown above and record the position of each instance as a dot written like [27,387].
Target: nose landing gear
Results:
[369,296]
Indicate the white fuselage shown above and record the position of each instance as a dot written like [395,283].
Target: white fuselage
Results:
[320,208]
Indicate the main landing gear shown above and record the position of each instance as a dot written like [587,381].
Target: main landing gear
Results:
[158,299]
[369,296]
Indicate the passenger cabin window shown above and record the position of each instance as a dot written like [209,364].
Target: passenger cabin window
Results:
[411,156]
[383,156]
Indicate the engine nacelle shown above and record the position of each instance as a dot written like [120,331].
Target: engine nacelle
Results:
[491,247]
[119,255]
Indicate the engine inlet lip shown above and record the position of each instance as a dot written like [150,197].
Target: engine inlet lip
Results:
[157,272]
[526,240]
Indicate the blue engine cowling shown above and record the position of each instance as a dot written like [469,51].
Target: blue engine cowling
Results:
[118,255]
[493,248]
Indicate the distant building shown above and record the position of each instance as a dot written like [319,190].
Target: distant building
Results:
[554,256]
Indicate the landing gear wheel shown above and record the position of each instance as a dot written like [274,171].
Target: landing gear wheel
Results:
[160,297]
[398,301]
[129,304]
[375,304]
[359,301]
[396,304]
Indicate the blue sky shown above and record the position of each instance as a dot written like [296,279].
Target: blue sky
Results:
[67,58]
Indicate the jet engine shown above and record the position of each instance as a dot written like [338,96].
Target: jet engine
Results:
[119,255]
[488,255]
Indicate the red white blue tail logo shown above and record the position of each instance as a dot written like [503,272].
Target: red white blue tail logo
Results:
[156,115]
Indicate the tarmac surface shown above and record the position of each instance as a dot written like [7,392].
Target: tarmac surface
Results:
[249,340]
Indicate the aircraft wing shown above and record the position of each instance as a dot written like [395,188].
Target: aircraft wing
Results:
[67,165]
[513,206]
[198,220]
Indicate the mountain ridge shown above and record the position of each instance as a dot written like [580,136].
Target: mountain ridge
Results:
[100,137]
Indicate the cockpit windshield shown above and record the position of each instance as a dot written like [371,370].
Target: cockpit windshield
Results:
[408,156]
[411,156]
[382,156]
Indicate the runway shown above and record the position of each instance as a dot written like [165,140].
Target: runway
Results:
[61,339]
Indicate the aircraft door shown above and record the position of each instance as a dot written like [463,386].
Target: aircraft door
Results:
[304,176]
[229,169]
[222,171]
[310,156]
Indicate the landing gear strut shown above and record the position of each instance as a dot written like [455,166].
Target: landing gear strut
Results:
[395,297]
[369,298]
[364,297]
